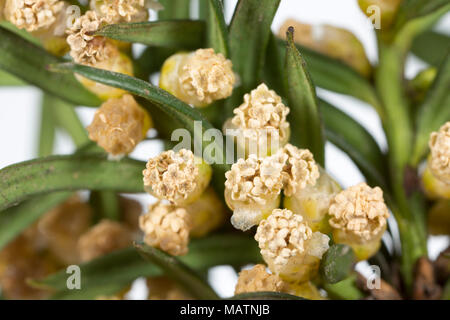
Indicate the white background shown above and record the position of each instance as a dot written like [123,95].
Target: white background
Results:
[20,109]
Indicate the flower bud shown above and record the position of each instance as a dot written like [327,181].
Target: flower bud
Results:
[178,177]
[119,11]
[358,218]
[434,188]
[198,78]
[313,201]
[167,227]
[63,226]
[289,247]
[32,15]
[436,177]
[258,279]
[163,288]
[207,213]
[252,189]
[300,169]
[387,10]
[103,238]
[119,125]
[332,41]
[97,52]
[439,218]
[259,123]
[44,19]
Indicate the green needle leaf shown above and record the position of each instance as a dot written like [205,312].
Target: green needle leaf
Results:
[337,263]
[431,39]
[306,125]
[47,128]
[186,34]
[217,32]
[410,9]
[174,9]
[65,117]
[178,271]
[21,181]
[8,80]
[29,62]
[122,267]
[352,138]
[248,37]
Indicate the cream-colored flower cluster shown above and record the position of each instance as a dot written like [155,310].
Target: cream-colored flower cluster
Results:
[360,210]
[300,169]
[253,186]
[440,153]
[85,48]
[187,207]
[258,279]
[117,11]
[261,122]
[33,15]
[262,109]
[289,246]
[172,175]
[119,125]
[198,78]
[254,180]
[167,227]
[206,77]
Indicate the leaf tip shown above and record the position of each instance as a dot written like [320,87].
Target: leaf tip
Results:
[290,34]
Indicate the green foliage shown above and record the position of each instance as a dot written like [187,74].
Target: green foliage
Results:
[337,263]
[179,272]
[30,62]
[21,181]
[303,103]
[181,34]
[30,189]
[120,268]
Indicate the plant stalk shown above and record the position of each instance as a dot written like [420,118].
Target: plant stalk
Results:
[399,131]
